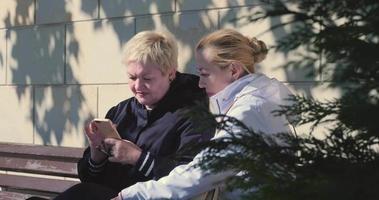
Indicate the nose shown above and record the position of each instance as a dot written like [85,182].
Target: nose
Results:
[138,84]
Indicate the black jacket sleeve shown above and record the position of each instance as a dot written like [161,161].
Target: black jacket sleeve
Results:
[155,166]
[88,170]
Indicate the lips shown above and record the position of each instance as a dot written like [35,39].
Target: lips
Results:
[141,94]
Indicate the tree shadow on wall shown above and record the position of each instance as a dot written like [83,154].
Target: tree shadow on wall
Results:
[36,61]
[38,56]
[273,31]
[188,26]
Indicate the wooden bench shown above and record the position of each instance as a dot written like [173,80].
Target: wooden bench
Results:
[36,170]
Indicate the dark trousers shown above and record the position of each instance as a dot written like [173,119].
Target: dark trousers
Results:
[90,191]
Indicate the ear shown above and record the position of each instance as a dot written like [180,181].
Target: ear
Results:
[172,74]
[237,70]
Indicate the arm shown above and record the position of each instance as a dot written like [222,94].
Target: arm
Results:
[93,162]
[184,182]
[90,170]
[187,181]
[149,165]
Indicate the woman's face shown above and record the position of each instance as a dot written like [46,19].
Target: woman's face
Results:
[147,82]
[212,78]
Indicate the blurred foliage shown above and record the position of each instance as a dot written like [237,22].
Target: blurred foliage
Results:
[344,164]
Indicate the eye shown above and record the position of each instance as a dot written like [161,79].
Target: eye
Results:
[133,78]
[204,74]
[147,78]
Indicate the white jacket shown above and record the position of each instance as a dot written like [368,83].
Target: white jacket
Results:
[250,99]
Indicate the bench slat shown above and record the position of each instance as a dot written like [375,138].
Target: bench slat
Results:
[4,195]
[36,183]
[41,160]
[46,152]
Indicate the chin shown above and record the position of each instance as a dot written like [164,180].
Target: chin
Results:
[144,102]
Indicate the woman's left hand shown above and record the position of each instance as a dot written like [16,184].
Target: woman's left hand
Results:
[123,151]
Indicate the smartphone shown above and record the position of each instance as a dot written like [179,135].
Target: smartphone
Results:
[105,127]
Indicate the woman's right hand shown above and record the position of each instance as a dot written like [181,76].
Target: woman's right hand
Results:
[95,141]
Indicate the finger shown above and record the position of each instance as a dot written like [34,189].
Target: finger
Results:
[114,126]
[110,141]
[112,159]
[103,151]
[93,127]
[87,128]
[131,144]
[88,131]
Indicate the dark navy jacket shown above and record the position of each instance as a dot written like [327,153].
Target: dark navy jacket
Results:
[161,133]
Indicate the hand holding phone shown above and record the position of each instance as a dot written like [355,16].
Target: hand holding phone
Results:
[105,127]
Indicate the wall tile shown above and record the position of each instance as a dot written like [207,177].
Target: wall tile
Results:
[187,28]
[54,11]
[61,112]
[118,8]
[94,51]
[3,53]
[16,13]
[111,95]
[36,55]
[16,106]
[272,65]
[184,5]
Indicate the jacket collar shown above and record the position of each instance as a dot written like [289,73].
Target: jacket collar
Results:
[221,101]
[183,92]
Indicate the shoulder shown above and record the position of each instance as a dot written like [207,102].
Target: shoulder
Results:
[124,103]
[121,107]
[264,91]
[257,99]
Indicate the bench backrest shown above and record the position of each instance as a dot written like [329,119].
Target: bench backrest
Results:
[59,163]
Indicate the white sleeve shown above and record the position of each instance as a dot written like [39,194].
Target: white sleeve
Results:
[187,181]
[183,182]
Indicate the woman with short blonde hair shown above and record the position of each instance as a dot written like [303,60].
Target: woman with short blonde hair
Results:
[151,124]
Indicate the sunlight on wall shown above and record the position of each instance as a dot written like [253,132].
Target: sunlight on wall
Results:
[60,61]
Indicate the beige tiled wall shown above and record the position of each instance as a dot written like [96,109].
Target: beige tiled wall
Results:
[56,11]
[60,60]
[16,108]
[117,8]
[94,51]
[61,113]
[3,56]
[185,5]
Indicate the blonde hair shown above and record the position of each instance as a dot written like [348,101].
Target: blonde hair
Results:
[154,47]
[227,45]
